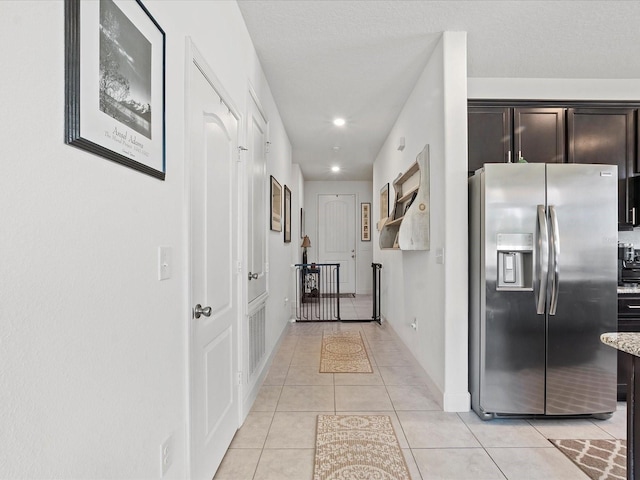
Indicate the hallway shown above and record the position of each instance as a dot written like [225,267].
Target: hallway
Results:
[277,439]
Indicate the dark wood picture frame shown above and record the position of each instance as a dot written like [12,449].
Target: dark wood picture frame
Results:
[287,215]
[365,222]
[111,111]
[275,194]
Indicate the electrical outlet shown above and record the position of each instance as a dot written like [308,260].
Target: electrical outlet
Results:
[166,455]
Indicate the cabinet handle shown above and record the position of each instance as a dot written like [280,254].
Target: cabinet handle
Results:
[633,306]
[633,216]
[509,156]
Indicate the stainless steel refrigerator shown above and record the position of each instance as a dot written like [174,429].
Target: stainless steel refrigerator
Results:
[543,287]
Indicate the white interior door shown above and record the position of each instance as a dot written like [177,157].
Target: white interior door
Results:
[213,141]
[337,232]
[257,200]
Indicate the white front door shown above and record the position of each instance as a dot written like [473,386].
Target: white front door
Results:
[257,200]
[213,144]
[337,232]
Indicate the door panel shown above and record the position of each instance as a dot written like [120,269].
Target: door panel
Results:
[213,248]
[489,136]
[581,370]
[337,242]
[512,335]
[539,134]
[257,214]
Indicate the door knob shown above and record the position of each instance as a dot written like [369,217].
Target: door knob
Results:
[253,276]
[200,310]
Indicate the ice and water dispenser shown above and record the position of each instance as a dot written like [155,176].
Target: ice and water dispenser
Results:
[515,261]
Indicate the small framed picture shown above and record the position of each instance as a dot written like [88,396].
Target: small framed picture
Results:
[365,222]
[287,215]
[301,223]
[115,83]
[384,202]
[276,205]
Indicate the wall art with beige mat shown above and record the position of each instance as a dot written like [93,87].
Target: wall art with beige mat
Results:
[599,459]
[344,352]
[358,446]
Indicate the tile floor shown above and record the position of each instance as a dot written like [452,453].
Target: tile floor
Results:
[277,439]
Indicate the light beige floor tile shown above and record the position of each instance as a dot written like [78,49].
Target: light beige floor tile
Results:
[436,430]
[503,432]
[616,426]
[414,472]
[293,430]
[253,431]
[397,428]
[412,397]
[238,464]
[276,375]
[393,359]
[285,464]
[358,378]
[456,464]
[302,398]
[569,428]
[403,375]
[360,398]
[267,398]
[305,358]
[535,464]
[300,375]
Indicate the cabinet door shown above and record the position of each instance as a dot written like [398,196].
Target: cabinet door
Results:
[489,132]
[539,134]
[603,135]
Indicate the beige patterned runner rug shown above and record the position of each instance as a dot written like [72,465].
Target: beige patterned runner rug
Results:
[350,447]
[599,459]
[344,352]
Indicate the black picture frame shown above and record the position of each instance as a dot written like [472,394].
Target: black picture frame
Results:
[287,215]
[111,111]
[275,194]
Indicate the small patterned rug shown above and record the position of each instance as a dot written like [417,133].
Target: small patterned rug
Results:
[350,447]
[344,352]
[599,459]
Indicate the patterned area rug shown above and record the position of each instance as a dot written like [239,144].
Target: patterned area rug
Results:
[350,447]
[600,459]
[344,352]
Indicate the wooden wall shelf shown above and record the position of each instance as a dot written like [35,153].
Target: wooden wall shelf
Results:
[407,227]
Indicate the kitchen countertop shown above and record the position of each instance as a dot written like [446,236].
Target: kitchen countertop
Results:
[628,342]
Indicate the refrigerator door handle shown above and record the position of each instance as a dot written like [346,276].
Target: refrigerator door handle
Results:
[555,245]
[543,260]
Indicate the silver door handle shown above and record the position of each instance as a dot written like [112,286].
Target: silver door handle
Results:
[543,261]
[633,306]
[200,310]
[555,242]
[253,276]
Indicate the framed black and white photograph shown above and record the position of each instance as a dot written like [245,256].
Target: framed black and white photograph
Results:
[287,215]
[115,83]
[276,205]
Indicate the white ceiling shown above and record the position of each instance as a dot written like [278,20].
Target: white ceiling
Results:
[360,59]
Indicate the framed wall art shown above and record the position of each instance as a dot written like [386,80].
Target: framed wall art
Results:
[276,205]
[384,205]
[115,83]
[301,222]
[287,215]
[365,222]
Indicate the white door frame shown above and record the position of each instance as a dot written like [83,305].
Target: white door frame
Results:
[193,55]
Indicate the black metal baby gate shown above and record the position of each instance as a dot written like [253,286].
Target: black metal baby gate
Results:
[318,292]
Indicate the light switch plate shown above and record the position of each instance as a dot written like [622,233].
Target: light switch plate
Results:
[440,256]
[164,263]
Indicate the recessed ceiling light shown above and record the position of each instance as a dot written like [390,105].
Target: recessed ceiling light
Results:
[335,169]
[339,122]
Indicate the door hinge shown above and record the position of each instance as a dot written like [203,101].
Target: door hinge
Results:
[239,266]
[240,150]
[268,144]
[239,378]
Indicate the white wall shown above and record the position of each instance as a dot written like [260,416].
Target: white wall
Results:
[93,356]
[414,285]
[364,250]
[553,88]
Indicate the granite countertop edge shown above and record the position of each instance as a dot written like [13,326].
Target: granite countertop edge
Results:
[628,342]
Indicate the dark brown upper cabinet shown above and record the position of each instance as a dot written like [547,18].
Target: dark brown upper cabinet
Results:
[489,131]
[599,135]
[538,134]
